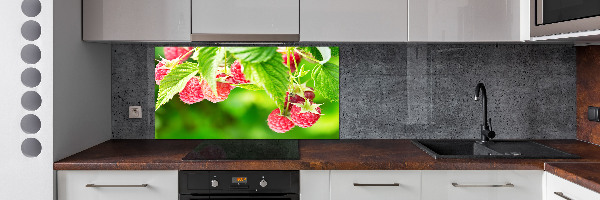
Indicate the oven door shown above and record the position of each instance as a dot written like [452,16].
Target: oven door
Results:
[553,17]
[237,197]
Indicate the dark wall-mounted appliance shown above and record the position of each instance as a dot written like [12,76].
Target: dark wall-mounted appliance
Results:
[235,185]
[555,17]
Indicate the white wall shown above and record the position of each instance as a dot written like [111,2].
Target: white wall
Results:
[82,84]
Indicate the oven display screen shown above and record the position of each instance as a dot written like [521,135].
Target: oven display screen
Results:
[239,180]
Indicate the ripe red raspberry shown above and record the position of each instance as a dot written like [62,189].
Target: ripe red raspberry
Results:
[221,75]
[297,57]
[174,53]
[305,115]
[228,79]
[223,90]
[237,76]
[160,72]
[279,123]
[192,92]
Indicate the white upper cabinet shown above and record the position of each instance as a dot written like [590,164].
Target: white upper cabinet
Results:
[468,20]
[354,20]
[307,20]
[136,20]
[245,20]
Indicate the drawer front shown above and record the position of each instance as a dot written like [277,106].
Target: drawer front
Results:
[482,184]
[314,185]
[377,185]
[566,189]
[113,185]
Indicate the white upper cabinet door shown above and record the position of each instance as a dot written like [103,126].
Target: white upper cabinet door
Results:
[136,20]
[222,18]
[468,20]
[482,184]
[354,20]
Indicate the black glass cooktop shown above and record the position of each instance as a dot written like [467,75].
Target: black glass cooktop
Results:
[245,150]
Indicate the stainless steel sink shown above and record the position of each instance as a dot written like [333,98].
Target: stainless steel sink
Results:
[493,149]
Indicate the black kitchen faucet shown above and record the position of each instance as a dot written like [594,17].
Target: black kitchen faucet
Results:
[486,129]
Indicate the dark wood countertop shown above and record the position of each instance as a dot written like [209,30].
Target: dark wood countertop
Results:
[581,173]
[314,155]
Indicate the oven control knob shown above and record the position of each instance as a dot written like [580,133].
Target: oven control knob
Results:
[214,183]
[263,183]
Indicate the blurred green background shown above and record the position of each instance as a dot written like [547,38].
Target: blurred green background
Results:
[243,115]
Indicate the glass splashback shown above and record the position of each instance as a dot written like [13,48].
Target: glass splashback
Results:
[251,92]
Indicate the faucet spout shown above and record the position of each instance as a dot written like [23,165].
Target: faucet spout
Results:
[486,132]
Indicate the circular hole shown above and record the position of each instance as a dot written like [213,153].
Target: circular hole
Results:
[31,124]
[31,77]
[31,30]
[31,8]
[31,100]
[31,54]
[31,147]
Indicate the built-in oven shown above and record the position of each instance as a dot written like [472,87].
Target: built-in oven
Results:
[234,185]
[554,17]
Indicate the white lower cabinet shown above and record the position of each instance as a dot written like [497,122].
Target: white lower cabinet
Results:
[340,185]
[482,184]
[117,185]
[561,189]
[314,185]
[375,185]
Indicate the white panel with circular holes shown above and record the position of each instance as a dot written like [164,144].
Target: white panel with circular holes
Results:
[26,90]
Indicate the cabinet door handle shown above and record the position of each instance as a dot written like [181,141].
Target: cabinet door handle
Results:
[94,185]
[560,194]
[367,184]
[505,185]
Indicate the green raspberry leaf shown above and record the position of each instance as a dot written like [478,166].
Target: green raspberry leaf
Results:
[335,51]
[327,81]
[209,59]
[323,54]
[273,77]
[249,86]
[174,82]
[316,54]
[253,54]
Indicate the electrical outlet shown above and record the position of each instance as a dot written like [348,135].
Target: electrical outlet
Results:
[135,112]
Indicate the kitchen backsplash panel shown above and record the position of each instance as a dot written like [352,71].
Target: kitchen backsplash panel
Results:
[394,91]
